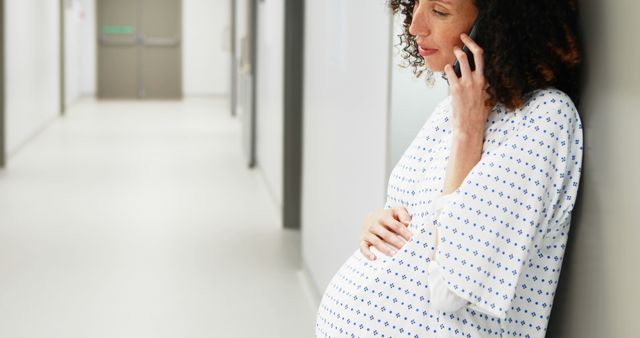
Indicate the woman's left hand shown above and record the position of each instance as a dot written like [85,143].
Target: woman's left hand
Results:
[469,92]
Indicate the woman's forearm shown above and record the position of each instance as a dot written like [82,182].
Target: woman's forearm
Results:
[466,149]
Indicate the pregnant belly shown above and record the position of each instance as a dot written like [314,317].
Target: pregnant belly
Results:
[382,288]
[359,275]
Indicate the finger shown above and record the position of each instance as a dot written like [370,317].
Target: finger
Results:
[364,248]
[397,215]
[380,244]
[465,69]
[478,52]
[451,75]
[402,215]
[388,236]
[399,228]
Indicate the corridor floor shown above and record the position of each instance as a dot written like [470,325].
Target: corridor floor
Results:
[141,219]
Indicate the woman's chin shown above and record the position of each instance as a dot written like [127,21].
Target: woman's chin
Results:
[436,68]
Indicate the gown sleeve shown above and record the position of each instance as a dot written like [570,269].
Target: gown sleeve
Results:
[487,226]
[442,298]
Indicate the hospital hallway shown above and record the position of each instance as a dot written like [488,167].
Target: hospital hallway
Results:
[142,219]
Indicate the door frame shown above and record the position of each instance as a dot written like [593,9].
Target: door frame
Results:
[234,76]
[253,21]
[3,150]
[293,113]
[63,69]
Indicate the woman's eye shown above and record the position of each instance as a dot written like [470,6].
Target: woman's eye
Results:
[438,13]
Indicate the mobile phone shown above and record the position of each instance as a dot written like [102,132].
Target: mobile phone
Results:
[472,64]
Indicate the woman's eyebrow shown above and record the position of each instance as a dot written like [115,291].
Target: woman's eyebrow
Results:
[446,2]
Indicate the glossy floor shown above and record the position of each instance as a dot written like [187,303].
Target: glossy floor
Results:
[141,219]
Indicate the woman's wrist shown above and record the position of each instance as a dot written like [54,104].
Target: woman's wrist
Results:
[468,137]
[466,151]
[466,147]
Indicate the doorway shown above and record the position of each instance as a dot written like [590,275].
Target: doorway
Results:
[139,49]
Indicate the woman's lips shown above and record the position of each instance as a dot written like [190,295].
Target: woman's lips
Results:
[426,51]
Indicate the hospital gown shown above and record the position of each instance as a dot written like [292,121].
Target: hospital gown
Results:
[502,233]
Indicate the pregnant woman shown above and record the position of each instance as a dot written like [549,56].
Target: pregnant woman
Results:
[471,240]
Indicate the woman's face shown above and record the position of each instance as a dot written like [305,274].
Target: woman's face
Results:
[437,25]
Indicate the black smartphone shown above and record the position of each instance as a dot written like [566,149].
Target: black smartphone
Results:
[472,64]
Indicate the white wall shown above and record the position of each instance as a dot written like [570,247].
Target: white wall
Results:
[80,49]
[244,77]
[241,14]
[269,95]
[206,57]
[73,50]
[88,48]
[346,90]
[32,66]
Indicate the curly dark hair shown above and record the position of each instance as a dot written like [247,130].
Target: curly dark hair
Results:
[527,45]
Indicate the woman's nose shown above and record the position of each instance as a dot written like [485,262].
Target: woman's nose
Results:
[419,22]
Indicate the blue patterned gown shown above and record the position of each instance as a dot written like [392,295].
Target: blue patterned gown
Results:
[502,232]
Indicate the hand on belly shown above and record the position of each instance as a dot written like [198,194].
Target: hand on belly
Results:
[386,230]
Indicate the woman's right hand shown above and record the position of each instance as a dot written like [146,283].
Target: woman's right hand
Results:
[386,230]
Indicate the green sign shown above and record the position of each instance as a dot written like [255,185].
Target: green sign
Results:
[118,29]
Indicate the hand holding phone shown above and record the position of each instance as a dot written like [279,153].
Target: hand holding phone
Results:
[472,64]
